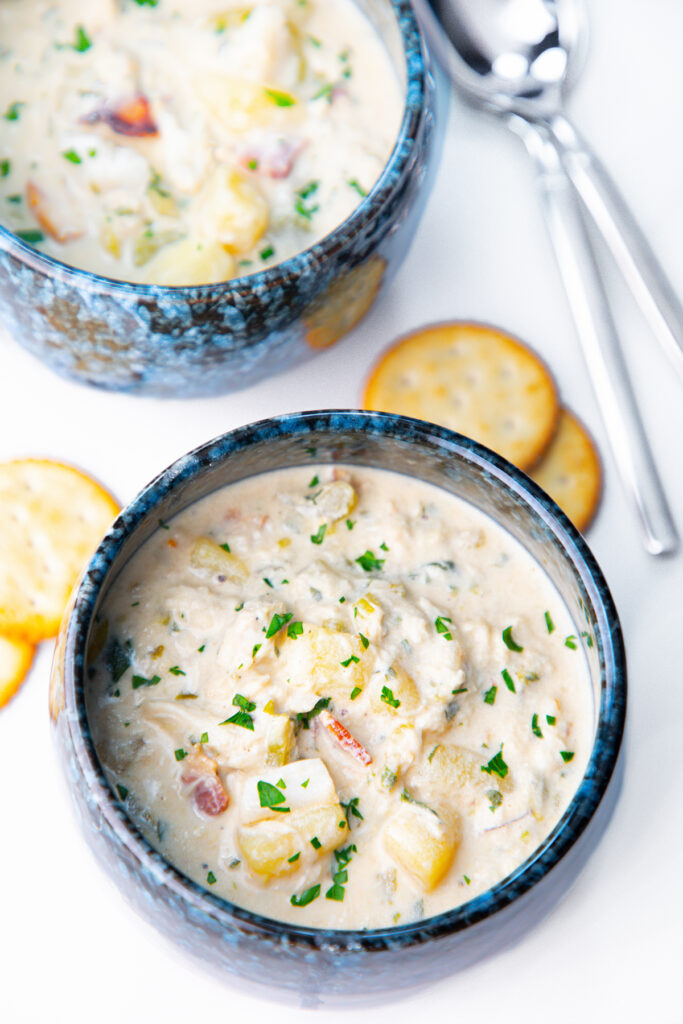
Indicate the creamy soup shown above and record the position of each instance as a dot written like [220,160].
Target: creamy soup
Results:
[188,141]
[339,697]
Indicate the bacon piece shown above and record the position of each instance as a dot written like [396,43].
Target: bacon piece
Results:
[56,212]
[128,117]
[200,774]
[344,738]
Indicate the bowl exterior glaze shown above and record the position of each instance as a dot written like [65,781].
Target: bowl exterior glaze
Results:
[317,965]
[210,339]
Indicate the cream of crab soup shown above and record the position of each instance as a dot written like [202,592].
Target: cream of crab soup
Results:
[339,696]
[188,141]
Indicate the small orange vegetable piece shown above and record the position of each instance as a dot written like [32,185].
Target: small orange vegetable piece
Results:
[344,738]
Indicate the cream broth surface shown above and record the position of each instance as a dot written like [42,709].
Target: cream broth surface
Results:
[339,697]
[188,141]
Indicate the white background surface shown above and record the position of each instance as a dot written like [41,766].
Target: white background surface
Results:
[71,949]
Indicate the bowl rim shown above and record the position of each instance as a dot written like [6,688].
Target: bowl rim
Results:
[399,162]
[609,642]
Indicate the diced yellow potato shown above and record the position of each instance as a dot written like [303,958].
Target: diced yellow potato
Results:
[307,784]
[241,105]
[323,660]
[335,500]
[327,824]
[421,844]
[368,616]
[267,846]
[280,740]
[206,554]
[402,688]
[451,767]
[110,241]
[191,262]
[232,210]
[399,753]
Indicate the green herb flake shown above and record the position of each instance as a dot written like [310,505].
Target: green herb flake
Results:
[315,843]
[204,738]
[442,628]
[383,546]
[355,692]
[122,791]
[294,857]
[164,525]
[82,42]
[269,796]
[388,697]
[314,42]
[567,755]
[306,897]
[176,671]
[4,168]
[267,253]
[351,809]
[276,623]
[280,99]
[364,640]
[570,642]
[315,481]
[535,728]
[295,629]
[350,524]
[268,583]
[358,188]
[305,784]
[325,92]
[13,199]
[225,546]
[490,695]
[239,607]
[550,625]
[211,878]
[180,754]
[509,640]
[587,637]
[467,880]
[551,719]
[304,717]
[252,164]
[509,682]
[200,650]
[72,156]
[255,649]
[342,600]
[368,562]
[118,658]
[12,112]
[496,766]
[241,717]
[459,689]
[31,236]
[317,538]
[144,681]
[335,892]
[353,659]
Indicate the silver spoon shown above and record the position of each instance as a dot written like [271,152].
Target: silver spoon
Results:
[512,57]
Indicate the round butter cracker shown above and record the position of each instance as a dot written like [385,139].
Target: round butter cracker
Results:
[15,661]
[51,519]
[570,471]
[473,379]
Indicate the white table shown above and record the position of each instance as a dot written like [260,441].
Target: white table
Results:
[70,948]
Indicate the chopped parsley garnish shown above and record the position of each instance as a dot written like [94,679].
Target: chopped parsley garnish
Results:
[355,692]
[535,728]
[276,624]
[314,42]
[358,188]
[12,112]
[270,796]
[351,809]
[315,481]
[164,525]
[280,99]
[294,857]
[495,797]
[211,878]
[180,754]
[567,755]
[459,689]
[325,92]
[118,658]
[550,625]
[4,168]
[267,253]
[175,671]
[508,680]
[241,717]
[490,695]
[13,199]
[587,637]
[496,766]
[570,642]
[383,546]
[306,897]
[442,628]
[267,582]
[304,717]
[551,719]
[204,738]
[295,629]
[239,607]
[82,41]
[252,164]
[255,649]
[364,640]
[368,561]
[350,524]
[225,546]
[467,880]
[315,843]
[281,784]
[317,538]
[306,212]
[342,600]
[336,891]
[353,659]
[122,791]
[144,681]
[388,697]
[31,236]
[509,641]
[72,156]
[200,650]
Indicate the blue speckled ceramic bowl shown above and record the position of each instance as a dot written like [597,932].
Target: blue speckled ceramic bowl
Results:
[341,966]
[204,340]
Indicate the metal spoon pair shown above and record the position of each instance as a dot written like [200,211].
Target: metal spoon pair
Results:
[515,58]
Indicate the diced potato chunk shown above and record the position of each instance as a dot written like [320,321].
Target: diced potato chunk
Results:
[232,210]
[421,844]
[399,752]
[334,500]
[280,740]
[327,824]
[206,554]
[402,687]
[307,784]
[191,262]
[323,659]
[267,846]
[452,767]
[242,105]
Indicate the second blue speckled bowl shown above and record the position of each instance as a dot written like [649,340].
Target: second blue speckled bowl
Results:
[204,340]
[346,966]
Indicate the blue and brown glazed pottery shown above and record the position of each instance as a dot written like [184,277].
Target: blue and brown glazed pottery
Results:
[204,340]
[316,964]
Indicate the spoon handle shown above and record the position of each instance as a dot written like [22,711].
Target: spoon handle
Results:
[599,340]
[632,253]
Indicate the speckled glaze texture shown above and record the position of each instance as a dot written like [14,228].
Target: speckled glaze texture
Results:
[316,965]
[204,340]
